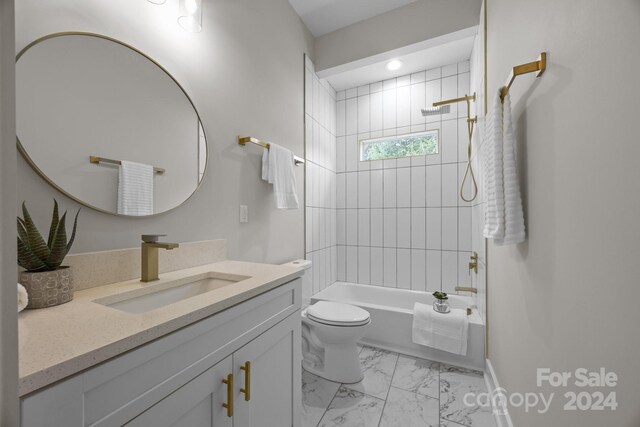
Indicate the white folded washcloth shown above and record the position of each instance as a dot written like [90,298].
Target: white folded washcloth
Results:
[23,298]
[446,332]
[135,189]
[278,169]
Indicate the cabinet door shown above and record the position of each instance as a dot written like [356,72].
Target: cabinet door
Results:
[196,404]
[274,378]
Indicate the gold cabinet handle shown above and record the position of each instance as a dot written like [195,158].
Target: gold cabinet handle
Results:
[229,404]
[247,381]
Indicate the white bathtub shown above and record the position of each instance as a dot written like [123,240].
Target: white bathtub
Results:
[392,318]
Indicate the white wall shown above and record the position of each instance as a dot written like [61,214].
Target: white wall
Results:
[8,298]
[568,297]
[401,223]
[413,23]
[244,72]
[320,125]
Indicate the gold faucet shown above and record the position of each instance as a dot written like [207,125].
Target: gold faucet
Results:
[473,265]
[150,246]
[464,289]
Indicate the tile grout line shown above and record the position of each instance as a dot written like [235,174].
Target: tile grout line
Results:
[396,169]
[370,230]
[441,257]
[357,201]
[329,405]
[396,87]
[400,167]
[439,388]
[395,366]
[410,223]
[414,392]
[383,213]
[453,422]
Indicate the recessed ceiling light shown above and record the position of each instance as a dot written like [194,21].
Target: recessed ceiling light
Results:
[394,64]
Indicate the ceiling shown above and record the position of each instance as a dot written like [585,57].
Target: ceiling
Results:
[325,16]
[436,52]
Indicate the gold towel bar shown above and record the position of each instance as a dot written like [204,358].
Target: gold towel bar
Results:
[242,140]
[97,160]
[538,67]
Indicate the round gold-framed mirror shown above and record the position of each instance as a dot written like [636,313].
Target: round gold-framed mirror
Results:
[107,125]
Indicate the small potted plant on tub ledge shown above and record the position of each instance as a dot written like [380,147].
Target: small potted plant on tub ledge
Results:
[441,305]
[46,280]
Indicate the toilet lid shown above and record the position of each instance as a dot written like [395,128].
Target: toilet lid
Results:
[336,313]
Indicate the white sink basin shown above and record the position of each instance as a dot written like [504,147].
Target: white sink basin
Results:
[151,297]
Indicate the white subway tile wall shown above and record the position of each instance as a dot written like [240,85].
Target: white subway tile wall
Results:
[401,222]
[322,198]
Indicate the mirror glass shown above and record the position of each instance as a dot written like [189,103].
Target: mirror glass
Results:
[85,103]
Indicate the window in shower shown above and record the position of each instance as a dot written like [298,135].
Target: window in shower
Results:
[393,147]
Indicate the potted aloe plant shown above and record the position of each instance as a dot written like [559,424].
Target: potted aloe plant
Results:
[47,282]
[441,305]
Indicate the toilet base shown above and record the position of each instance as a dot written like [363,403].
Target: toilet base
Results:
[341,364]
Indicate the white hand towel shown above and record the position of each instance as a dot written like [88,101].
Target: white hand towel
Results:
[135,189]
[447,332]
[513,215]
[265,164]
[493,173]
[278,169]
[504,218]
[23,298]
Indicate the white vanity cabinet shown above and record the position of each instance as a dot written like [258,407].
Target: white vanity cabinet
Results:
[272,363]
[197,403]
[177,380]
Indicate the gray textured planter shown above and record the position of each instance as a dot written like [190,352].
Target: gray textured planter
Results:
[48,288]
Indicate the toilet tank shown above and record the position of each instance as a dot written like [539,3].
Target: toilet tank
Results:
[307,279]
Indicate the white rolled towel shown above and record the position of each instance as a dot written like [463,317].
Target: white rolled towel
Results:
[23,298]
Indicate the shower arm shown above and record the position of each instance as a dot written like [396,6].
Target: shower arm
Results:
[455,100]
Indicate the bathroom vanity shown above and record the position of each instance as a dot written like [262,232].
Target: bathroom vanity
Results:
[116,356]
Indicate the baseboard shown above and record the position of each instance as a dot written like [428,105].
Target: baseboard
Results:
[502,417]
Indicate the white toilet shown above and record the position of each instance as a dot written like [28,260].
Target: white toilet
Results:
[330,331]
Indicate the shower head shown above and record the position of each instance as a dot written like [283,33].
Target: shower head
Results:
[443,109]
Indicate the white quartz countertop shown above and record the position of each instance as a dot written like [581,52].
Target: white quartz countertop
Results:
[60,341]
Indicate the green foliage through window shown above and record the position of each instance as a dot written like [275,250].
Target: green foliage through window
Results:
[393,147]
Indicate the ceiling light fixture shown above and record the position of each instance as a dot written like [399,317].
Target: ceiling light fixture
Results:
[394,64]
[191,15]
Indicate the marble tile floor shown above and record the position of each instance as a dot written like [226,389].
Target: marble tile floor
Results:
[397,390]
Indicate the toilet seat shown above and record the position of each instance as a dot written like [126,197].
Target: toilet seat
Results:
[338,314]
